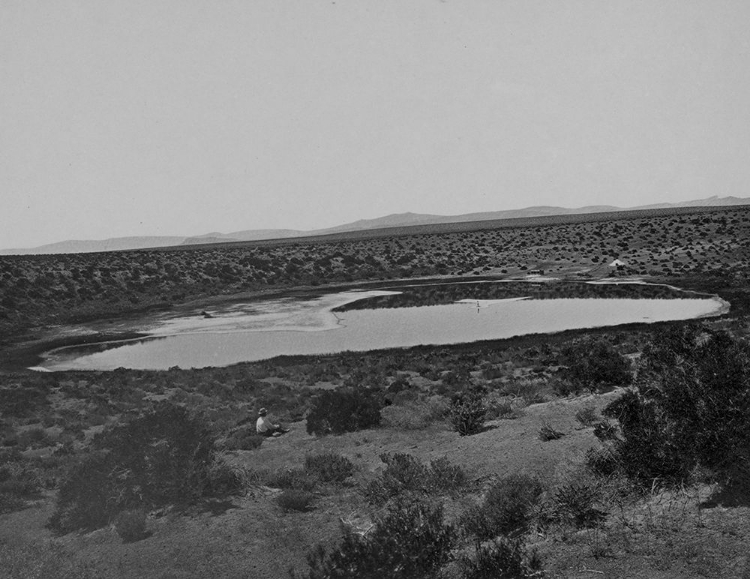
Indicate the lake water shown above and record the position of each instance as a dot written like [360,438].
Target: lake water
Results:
[255,331]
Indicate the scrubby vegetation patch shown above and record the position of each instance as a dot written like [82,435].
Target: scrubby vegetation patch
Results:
[339,411]
[405,474]
[163,458]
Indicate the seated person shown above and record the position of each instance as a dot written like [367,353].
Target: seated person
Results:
[265,427]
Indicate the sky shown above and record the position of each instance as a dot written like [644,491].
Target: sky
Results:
[183,117]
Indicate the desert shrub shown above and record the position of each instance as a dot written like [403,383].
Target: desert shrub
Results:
[292,478]
[131,525]
[20,481]
[587,416]
[329,467]
[547,433]
[404,473]
[444,476]
[399,384]
[689,408]
[593,363]
[492,373]
[506,508]
[339,411]
[563,386]
[244,438]
[467,412]
[409,541]
[501,559]
[161,458]
[499,408]
[87,498]
[573,503]
[295,500]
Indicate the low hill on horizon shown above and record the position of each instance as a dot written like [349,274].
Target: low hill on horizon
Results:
[388,221]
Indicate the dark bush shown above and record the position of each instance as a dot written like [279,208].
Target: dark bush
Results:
[162,458]
[131,525]
[410,541]
[329,467]
[88,495]
[506,508]
[467,412]
[339,411]
[502,559]
[593,363]
[689,408]
[295,500]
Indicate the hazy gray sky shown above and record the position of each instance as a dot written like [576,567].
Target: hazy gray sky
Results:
[180,117]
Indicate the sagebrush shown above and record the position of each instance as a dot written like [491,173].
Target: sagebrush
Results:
[339,411]
[409,541]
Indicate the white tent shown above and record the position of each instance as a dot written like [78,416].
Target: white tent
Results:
[617,263]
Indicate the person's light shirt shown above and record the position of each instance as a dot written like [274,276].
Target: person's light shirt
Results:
[263,425]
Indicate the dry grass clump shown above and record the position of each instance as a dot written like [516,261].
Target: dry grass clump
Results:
[547,433]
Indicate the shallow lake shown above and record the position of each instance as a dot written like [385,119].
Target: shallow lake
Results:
[259,330]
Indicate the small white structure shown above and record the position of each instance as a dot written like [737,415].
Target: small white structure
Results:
[617,263]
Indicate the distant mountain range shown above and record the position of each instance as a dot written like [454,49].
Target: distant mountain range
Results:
[395,220]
